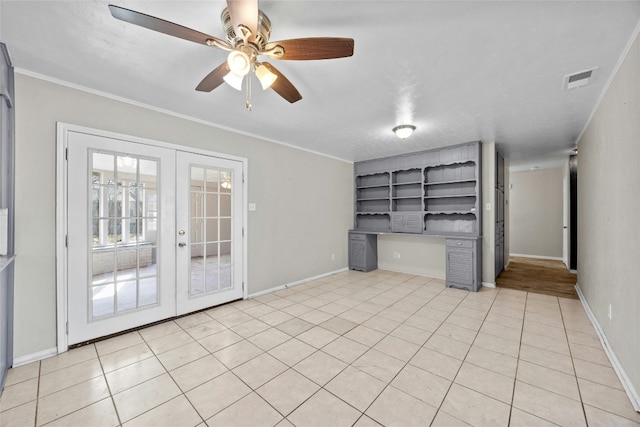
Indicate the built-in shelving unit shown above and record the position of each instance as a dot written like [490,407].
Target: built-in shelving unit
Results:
[434,192]
[372,202]
[430,192]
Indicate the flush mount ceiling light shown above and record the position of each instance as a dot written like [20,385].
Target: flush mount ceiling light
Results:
[404,131]
[247,31]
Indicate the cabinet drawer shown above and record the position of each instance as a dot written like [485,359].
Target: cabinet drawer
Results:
[460,243]
[357,236]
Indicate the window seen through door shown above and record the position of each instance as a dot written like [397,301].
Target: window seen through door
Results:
[124,222]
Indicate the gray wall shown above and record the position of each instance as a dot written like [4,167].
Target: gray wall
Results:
[535,212]
[608,212]
[304,200]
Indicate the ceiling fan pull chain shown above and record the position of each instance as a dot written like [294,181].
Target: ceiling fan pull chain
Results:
[247,103]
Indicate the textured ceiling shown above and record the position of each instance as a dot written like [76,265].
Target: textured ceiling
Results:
[459,71]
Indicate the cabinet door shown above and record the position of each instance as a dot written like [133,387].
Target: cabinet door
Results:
[460,267]
[363,251]
[406,222]
[357,254]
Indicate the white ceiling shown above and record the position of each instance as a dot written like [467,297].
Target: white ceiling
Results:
[459,71]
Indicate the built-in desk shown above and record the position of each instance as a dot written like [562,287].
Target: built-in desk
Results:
[463,257]
[435,193]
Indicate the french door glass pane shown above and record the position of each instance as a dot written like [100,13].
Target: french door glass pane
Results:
[124,233]
[210,220]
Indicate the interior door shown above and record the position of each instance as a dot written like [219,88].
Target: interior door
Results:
[121,235]
[209,231]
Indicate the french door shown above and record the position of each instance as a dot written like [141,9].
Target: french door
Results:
[209,194]
[152,233]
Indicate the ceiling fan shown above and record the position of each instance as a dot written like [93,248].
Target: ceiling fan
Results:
[247,32]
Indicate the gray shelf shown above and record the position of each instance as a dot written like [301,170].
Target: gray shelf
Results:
[442,185]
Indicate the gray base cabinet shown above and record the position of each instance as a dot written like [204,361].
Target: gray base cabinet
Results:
[464,264]
[363,251]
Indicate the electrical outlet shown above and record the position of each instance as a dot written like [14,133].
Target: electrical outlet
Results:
[396,255]
[333,257]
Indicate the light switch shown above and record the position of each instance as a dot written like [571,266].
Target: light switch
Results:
[252,207]
[488,206]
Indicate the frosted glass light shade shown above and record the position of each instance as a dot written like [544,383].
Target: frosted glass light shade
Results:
[404,131]
[239,62]
[265,76]
[234,80]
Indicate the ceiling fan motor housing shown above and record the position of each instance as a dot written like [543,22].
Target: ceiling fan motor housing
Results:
[260,40]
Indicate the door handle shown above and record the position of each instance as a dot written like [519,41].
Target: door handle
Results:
[182,244]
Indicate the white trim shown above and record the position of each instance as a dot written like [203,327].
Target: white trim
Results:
[614,73]
[553,258]
[63,130]
[34,357]
[61,233]
[297,282]
[488,284]
[170,113]
[632,393]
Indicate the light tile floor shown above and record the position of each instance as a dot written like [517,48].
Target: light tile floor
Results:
[362,349]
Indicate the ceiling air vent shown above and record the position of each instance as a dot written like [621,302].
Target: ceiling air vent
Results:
[579,79]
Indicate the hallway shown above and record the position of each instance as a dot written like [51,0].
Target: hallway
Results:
[539,276]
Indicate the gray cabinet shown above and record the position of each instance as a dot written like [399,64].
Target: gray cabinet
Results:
[363,251]
[500,216]
[372,202]
[464,264]
[435,192]
[7,202]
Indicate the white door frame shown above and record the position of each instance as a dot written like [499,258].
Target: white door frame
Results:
[63,130]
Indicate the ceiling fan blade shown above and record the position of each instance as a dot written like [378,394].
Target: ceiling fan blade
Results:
[310,48]
[283,86]
[214,78]
[166,27]
[244,12]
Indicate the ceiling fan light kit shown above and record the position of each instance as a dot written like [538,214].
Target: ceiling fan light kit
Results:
[266,77]
[404,131]
[247,31]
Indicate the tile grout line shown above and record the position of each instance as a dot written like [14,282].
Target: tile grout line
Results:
[35,421]
[573,366]
[104,375]
[515,374]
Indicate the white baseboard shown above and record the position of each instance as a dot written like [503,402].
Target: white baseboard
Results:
[554,258]
[34,357]
[632,393]
[298,282]
[489,284]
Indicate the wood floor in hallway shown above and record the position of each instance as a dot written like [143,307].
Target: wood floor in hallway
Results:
[541,276]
